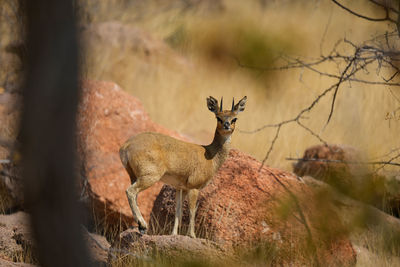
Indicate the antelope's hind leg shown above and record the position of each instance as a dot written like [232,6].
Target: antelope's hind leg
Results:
[142,183]
[192,195]
[180,197]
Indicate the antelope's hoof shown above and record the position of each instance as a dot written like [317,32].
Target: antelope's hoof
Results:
[192,235]
[142,229]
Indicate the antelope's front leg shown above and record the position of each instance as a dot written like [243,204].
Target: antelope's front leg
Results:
[192,195]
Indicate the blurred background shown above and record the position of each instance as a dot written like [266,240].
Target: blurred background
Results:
[173,54]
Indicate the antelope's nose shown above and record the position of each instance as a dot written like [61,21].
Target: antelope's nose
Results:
[226,125]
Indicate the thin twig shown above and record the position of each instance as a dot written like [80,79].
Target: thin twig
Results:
[312,133]
[271,146]
[389,162]
[337,87]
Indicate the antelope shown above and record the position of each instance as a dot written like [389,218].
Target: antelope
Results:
[150,157]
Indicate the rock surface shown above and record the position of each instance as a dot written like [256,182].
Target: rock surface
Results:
[17,243]
[98,247]
[247,205]
[108,116]
[170,247]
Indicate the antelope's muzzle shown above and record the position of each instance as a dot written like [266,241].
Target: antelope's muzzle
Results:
[227,125]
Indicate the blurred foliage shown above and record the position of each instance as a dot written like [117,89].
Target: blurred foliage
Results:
[227,41]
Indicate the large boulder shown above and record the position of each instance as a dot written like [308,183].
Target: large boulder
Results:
[108,116]
[248,204]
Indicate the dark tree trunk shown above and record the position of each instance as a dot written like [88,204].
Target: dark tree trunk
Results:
[48,126]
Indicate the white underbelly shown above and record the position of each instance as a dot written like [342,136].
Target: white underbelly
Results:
[175,181]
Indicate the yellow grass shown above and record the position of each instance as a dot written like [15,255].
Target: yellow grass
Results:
[175,96]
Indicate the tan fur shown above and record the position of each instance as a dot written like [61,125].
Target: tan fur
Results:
[151,157]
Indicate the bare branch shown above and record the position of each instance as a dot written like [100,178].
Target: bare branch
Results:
[271,146]
[386,18]
[362,58]
[337,88]
[312,132]
[389,162]
[384,6]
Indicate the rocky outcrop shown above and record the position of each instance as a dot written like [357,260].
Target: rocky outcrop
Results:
[328,163]
[247,204]
[108,116]
[168,247]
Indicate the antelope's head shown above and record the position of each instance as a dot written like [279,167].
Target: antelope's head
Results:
[226,119]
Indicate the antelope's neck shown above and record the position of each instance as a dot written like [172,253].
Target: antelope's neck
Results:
[218,150]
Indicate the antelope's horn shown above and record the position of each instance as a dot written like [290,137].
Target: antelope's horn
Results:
[233,104]
[220,108]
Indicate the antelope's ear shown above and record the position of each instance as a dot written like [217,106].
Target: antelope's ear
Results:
[212,104]
[239,107]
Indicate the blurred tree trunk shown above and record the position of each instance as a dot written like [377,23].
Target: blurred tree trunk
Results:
[50,99]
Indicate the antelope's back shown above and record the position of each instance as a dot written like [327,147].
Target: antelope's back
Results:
[165,153]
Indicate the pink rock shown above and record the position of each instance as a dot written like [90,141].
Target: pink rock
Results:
[246,205]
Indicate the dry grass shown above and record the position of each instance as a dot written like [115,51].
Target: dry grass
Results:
[175,97]
[372,249]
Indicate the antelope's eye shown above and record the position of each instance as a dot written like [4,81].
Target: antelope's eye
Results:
[219,120]
[234,120]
